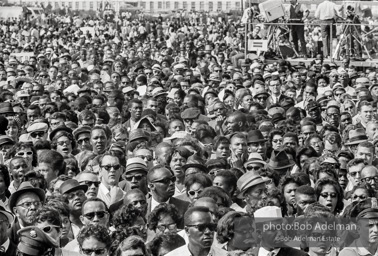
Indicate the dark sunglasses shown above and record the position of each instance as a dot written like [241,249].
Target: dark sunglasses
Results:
[253,168]
[203,227]
[91,215]
[95,251]
[166,180]
[37,134]
[109,167]
[137,177]
[193,193]
[48,229]
[90,183]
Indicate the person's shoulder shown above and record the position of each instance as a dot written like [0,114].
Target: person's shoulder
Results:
[182,251]
[291,251]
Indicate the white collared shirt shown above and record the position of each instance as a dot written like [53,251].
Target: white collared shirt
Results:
[264,252]
[155,203]
[104,194]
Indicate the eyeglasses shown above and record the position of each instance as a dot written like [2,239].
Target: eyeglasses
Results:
[109,167]
[86,140]
[170,227]
[72,195]
[28,205]
[203,227]
[333,115]
[48,229]
[99,214]
[139,228]
[99,251]
[137,177]
[37,134]
[326,195]
[369,179]
[355,197]
[253,168]
[66,142]
[166,180]
[24,153]
[90,183]
[194,192]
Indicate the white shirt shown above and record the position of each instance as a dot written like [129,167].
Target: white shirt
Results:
[104,194]
[155,203]
[182,251]
[264,252]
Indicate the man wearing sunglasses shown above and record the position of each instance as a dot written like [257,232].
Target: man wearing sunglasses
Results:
[110,173]
[135,175]
[161,183]
[36,131]
[200,229]
[91,180]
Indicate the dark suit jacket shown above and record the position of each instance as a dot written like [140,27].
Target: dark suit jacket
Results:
[291,251]
[13,232]
[12,249]
[269,101]
[181,206]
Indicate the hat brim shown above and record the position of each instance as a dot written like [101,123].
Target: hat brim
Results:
[241,194]
[13,198]
[261,93]
[254,161]
[9,216]
[354,142]
[54,132]
[292,163]
[199,166]
[80,187]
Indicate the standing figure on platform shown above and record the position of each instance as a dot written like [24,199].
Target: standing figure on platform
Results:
[297,15]
[327,13]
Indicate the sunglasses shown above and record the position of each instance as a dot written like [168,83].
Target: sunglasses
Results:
[166,180]
[100,251]
[109,167]
[203,227]
[25,153]
[99,214]
[49,229]
[90,183]
[193,193]
[253,168]
[37,134]
[61,143]
[136,177]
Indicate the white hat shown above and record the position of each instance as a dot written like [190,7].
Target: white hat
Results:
[267,212]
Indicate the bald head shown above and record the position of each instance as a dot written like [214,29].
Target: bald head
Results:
[369,171]
[162,151]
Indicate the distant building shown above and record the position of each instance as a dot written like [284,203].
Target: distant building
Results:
[146,5]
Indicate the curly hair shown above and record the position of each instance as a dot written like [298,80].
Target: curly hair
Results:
[218,194]
[200,178]
[6,177]
[227,224]
[54,142]
[46,213]
[98,232]
[131,242]
[59,205]
[125,217]
[182,151]
[340,195]
[160,211]
[22,146]
[328,169]
[169,241]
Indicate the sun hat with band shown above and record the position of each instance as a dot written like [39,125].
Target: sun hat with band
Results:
[247,181]
[254,158]
[25,187]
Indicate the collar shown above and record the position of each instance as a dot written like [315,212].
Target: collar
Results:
[6,245]
[361,250]
[104,189]
[155,203]
[263,251]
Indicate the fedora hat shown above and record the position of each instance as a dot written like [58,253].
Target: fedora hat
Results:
[5,139]
[261,92]
[356,137]
[255,136]
[72,185]
[6,108]
[58,129]
[280,160]
[254,158]
[138,134]
[195,161]
[248,180]
[25,187]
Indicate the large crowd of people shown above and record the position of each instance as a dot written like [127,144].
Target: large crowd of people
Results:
[159,138]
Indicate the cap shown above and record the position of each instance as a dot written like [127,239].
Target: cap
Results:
[136,164]
[37,127]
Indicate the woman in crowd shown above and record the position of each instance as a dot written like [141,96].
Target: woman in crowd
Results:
[330,194]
